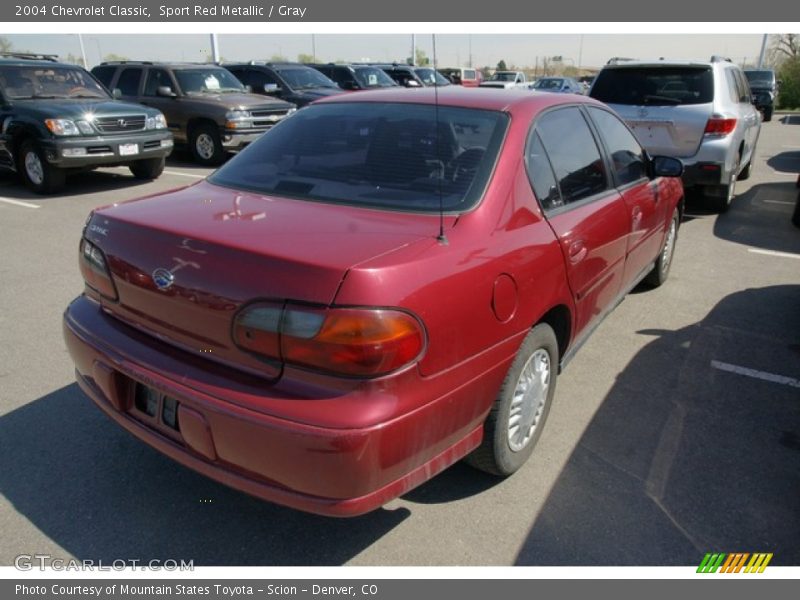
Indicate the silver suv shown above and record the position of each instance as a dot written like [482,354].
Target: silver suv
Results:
[700,112]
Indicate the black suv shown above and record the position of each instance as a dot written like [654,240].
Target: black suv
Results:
[56,118]
[412,76]
[205,105]
[293,82]
[764,88]
[356,77]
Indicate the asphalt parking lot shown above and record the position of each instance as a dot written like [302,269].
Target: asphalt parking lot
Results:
[675,432]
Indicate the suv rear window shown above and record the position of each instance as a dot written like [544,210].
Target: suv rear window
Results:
[654,86]
[378,155]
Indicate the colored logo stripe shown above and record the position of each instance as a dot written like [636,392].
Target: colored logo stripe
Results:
[734,562]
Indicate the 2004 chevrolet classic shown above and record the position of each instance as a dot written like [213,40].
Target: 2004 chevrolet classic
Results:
[382,285]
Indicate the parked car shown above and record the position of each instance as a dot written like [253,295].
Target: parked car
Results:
[507,80]
[700,112]
[411,76]
[560,85]
[58,119]
[764,88]
[206,107]
[383,284]
[356,77]
[296,83]
[464,77]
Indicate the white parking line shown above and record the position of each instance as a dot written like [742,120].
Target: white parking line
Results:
[185,174]
[19,203]
[755,374]
[773,253]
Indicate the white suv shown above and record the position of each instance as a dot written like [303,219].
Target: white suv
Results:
[700,112]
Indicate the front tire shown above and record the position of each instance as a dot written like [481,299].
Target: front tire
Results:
[206,145]
[660,271]
[768,114]
[517,418]
[38,175]
[148,168]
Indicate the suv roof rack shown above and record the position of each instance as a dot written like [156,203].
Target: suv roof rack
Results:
[615,60]
[127,62]
[718,58]
[30,56]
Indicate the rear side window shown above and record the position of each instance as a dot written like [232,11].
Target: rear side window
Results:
[572,151]
[654,86]
[540,173]
[380,155]
[627,156]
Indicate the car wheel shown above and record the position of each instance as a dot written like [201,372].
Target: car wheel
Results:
[149,168]
[516,420]
[206,145]
[724,194]
[38,174]
[660,271]
[768,114]
[747,171]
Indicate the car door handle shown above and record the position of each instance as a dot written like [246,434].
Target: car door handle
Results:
[577,251]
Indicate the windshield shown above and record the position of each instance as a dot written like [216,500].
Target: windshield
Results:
[212,80]
[306,78]
[378,155]
[503,76]
[431,77]
[760,78]
[19,83]
[370,77]
[548,84]
[654,86]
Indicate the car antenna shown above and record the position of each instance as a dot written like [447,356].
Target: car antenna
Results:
[441,238]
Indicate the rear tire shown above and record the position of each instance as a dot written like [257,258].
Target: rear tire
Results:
[518,416]
[768,114]
[747,171]
[38,175]
[723,195]
[148,168]
[660,271]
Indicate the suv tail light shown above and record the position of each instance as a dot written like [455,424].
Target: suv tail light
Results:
[720,126]
[95,270]
[358,342]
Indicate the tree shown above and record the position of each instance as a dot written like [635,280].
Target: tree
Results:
[5,45]
[114,57]
[305,58]
[501,66]
[789,75]
[277,58]
[421,58]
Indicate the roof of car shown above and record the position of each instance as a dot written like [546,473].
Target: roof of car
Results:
[165,64]
[617,63]
[485,98]
[27,59]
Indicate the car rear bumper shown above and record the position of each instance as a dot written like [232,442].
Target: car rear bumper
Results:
[327,470]
[89,152]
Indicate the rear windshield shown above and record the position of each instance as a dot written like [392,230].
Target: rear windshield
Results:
[654,86]
[379,155]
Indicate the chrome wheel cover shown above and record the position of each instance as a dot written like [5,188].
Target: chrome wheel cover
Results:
[529,400]
[33,168]
[204,144]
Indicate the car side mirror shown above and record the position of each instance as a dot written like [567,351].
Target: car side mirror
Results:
[349,85]
[165,91]
[116,93]
[271,88]
[666,166]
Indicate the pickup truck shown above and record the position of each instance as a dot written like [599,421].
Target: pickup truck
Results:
[507,80]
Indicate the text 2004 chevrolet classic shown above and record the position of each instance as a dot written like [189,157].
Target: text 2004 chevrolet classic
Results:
[383,284]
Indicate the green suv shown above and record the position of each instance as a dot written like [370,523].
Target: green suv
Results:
[57,118]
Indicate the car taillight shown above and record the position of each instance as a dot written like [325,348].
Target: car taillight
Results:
[95,270]
[720,126]
[359,342]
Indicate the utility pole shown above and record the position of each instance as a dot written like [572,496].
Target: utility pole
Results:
[580,55]
[413,50]
[313,48]
[83,52]
[763,51]
[469,38]
[214,48]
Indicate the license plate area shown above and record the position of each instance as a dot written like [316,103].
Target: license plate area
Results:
[155,408]
[128,149]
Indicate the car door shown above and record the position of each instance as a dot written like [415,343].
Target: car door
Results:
[155,78]
[584,210]
[749,114]
[645,205]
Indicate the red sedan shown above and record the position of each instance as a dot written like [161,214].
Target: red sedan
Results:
[385,283]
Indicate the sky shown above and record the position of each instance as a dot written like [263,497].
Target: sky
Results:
[587,50]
